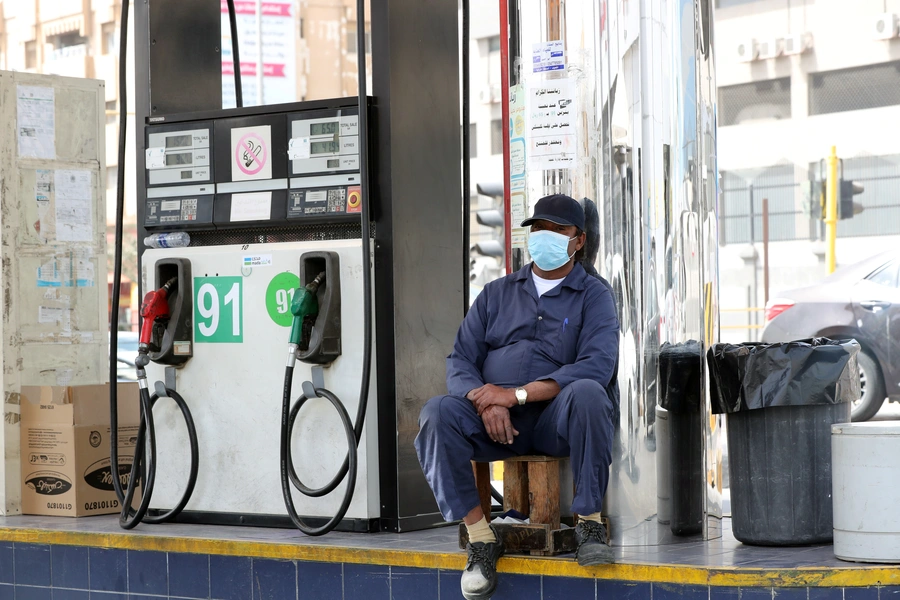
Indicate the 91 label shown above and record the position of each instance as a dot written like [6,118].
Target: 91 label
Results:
[218,315]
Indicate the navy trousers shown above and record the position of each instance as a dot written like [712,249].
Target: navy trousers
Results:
[578,423]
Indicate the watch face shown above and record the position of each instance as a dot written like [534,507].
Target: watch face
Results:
[521,394]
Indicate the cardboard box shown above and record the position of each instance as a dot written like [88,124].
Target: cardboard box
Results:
[65,448]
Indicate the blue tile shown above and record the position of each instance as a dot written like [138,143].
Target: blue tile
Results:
[518,587]
[412,584]
[189,575]
[107,596]
[71,594]
[7,565]
[229,577]
[366,582]
[32,564]
[449,584]
[867,593]
[69,567]
[7,592]
[621,590]
[142,597]
[890,591]
[756,593]
[321,581]
[567,588]
[147,573]
[24,592]
[109,570]
[826,593]
[665,591]
[724,593]
[790,593]
[274,579]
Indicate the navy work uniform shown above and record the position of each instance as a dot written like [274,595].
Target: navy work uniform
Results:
[511,337]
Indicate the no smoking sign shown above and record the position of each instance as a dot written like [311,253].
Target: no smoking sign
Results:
[251,153]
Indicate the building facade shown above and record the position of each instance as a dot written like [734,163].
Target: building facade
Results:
[796,78]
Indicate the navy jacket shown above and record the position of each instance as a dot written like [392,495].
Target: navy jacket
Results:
[511,337]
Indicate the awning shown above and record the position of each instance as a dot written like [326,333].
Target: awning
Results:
[66,25]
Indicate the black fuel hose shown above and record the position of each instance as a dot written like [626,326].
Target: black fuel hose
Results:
[235,55]
[130,517]
[349,467]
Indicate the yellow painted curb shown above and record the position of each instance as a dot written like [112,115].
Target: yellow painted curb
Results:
[850,576]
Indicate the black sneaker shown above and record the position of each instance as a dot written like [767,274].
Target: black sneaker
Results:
[593,544]
[479,579]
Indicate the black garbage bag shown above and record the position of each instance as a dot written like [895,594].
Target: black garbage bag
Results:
[679,376]
[801,373]
[781,401]
[680,369]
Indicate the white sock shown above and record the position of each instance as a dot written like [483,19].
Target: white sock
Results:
[481,532]
[595,517]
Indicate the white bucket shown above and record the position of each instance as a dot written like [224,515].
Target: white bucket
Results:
[866,483]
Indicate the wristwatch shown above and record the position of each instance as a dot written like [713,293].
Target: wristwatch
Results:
[521,395]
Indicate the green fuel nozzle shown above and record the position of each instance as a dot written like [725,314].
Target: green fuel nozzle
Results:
[305,308]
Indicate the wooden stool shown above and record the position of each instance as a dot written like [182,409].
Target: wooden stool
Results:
[531,486]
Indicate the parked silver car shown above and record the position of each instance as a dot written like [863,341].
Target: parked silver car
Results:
[860,301]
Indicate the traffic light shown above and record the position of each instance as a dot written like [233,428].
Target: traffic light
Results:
[846,206]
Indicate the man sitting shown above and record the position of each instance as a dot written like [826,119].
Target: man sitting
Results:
[528,374]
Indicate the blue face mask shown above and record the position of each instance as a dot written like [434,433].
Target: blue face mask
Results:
[548,249]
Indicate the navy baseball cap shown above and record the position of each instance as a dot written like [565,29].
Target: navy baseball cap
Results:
[559,209]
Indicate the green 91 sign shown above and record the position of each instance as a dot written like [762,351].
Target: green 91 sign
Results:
[218,317]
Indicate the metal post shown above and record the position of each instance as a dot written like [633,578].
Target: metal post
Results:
[831,192]
[765,233]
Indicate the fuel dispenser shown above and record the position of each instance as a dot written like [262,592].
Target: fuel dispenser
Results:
[269,170]
[283,249]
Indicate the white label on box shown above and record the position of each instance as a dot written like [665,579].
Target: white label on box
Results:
[182,348]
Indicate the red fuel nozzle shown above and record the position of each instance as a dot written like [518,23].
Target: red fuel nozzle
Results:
[154,308]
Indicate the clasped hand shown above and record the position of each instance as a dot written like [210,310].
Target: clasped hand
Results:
[493,403]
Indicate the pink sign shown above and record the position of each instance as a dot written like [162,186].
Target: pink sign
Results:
[251,154]
[267,9]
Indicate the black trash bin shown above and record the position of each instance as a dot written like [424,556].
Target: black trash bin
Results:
[680,385]
[781,400]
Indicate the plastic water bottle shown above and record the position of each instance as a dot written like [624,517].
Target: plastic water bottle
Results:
[176,239]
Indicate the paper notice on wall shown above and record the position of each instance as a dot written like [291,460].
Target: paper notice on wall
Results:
[36,121]
[548,56]
[551,125]
[50,314]
[75,268]
[73,205]
[63,376]
[43,187]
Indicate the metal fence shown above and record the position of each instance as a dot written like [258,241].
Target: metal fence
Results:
[794,209]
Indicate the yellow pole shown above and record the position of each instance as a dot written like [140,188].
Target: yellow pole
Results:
[831,200]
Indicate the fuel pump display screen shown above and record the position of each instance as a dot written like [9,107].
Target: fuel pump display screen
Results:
[323,128]
[179,141]
[182,158]
[324,148]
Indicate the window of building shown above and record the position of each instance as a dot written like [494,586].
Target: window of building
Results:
[727,3]
[494,44]
[473,140]
[497,136]
[31,55]
[352,47]
[756,101]
[112,177]
[858,88]
[108,38]
[112,112]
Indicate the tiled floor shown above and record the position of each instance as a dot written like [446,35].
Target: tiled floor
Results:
[645,546]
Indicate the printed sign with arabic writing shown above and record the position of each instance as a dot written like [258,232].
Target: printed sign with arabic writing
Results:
[551,125]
